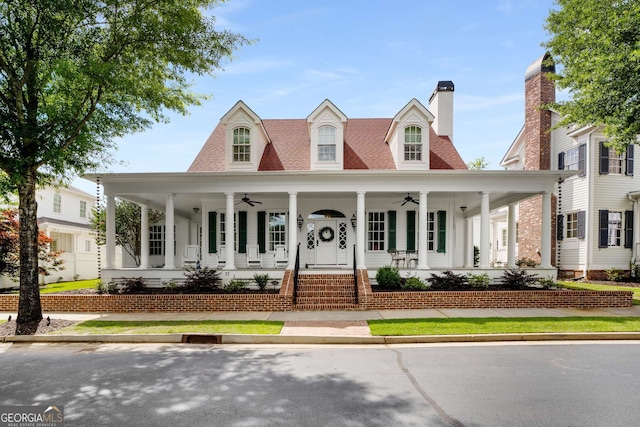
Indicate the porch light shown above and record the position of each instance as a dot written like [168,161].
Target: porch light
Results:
[300,221]
[463,208]
[196,210]
[354,221]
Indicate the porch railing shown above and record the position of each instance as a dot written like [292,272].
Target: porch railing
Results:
[296,270]
[355,276]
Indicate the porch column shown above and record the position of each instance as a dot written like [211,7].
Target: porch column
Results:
[485,248]
[293,234]
[468,242]
[511,236]
[229,234]
[545,250]
[423,234]
[361,221]
[110,249]
[144,237]
[169,224]
[204,237]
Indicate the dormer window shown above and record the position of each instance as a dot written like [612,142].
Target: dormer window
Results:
[241,145]
[413,143]
[326,144]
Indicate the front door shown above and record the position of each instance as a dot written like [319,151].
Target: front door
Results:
[326,242]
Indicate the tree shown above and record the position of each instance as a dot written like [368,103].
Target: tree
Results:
[478,164]
[49,261]
[596,44]
[74,75]
[128,226]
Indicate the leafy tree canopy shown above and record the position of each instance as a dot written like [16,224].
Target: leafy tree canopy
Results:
[596,44]
[478,164]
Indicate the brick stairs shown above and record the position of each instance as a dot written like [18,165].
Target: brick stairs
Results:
[318,292]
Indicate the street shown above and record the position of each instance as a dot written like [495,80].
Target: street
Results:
[505,384]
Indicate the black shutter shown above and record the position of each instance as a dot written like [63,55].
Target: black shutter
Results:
[411,230]
[212,232]
[262,233]
[561,161]
[629,168]
[242,232]
[628,229]
[560,227]
[604,159]
[442,231]
[603,226]
[392,229]
[582,152]
[581,224]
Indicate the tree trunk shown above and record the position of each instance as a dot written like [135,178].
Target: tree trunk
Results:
[29,308]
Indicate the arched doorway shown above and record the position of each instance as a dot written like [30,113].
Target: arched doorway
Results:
[326,238]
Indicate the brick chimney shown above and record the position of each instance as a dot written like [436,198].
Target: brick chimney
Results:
[539,90]
[441,105]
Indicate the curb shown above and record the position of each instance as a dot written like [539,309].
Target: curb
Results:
[324,339]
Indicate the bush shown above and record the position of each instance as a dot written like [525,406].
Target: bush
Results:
[170,287]
[234,286]
[414,284]
[547,283]
[133,285]
[101,287]
[614,274]
[478,281]
[448,281]
[388,277]
[201,281]
[526,262]
[517,279]
[261,280]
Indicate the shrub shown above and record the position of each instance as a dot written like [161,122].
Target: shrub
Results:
[170,287]
[547,283]
[261,280]
[634,268]
[517,279]
[414,284]
[526,262]
[388,277]
[133,285]
[101,287]
[448,281]
[478,281]
[234,286]
[201,281]
[614,274]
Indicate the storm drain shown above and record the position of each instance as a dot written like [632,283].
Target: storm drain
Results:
[201,339]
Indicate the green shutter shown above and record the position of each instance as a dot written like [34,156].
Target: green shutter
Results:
[392,229]
[442,231]
[262,231]
[242,232]
[212,232]
[411,230]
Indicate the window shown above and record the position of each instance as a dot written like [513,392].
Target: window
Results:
[326,144]
[572,225]
[571,159]
[277,234]
[517,232]
[156,240]
[615,228]
[413,143]
[503,237]
[223,228]
[241,145]
[57,202]
[87,245]
[375,231]
[431,230]
[83,209]
[615,162]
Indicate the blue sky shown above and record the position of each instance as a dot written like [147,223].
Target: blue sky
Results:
[369,57]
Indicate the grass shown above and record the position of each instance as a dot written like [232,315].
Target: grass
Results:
[93,327]
[69,286]
[597,287]
[502,325]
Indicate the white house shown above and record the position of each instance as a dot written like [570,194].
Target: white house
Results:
[595,215]
[333,192]
[64,215]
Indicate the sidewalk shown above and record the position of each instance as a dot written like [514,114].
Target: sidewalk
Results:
[337,327]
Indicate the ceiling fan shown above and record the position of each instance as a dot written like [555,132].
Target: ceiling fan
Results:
[408,199]
[248,201]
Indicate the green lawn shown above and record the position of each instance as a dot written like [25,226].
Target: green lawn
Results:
[174,327]
[596,287]
[69,286]
[502,325]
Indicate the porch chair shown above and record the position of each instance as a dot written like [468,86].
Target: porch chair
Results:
[412,257]
[280,258]
[254,258]
[396,257]
[191,255]
[222,256]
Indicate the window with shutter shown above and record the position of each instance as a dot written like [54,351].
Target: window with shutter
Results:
[559,227]
[561,161]
[603,228]
[242,232]
[442,231]
[212,232]
[411,230]
[581,224]
[391,215]
[628,229]
[582,150]
[629,161]
[604,159]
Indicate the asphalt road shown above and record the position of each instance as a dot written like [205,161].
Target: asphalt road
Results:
[539,384]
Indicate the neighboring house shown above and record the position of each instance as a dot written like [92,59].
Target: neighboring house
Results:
[63,215]
[339,191]
[595,217]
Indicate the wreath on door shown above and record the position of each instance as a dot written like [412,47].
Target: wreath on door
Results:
[326,234]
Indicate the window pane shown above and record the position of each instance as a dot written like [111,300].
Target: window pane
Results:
[413,143]
[375,233]
[615,228]
[241,145]
[277,234]
[326,144]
